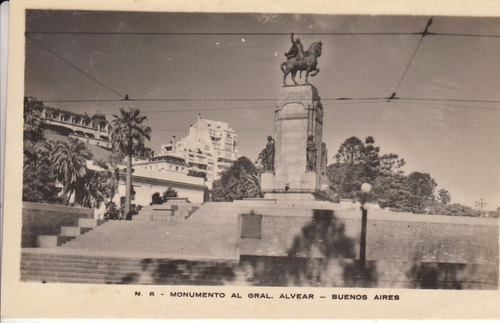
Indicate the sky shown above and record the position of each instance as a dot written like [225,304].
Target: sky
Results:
[172,63]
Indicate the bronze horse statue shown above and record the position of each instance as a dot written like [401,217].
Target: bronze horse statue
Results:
[309,63]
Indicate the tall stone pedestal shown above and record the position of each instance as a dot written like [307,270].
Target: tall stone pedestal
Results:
[299,116]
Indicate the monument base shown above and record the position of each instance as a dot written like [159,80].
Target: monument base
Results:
[304,187]
[293,196]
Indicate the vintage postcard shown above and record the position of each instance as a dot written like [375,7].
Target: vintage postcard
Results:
[259,160]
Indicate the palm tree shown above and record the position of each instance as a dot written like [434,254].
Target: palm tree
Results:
[128,136]
[113,172]
[90,190]
[69,162]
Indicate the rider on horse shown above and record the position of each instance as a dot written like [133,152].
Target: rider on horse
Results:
[300,60]
[296,51]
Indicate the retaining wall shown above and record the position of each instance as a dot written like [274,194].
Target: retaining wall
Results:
[47,219]
[403,250]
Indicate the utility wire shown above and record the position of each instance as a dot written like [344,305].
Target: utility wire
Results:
[449,100]
[218,33]
[255,34]
[340,100]
[75,67]
[462,35]
[424,33]
[201,100]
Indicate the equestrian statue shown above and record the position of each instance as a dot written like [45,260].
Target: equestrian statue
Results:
[300,60]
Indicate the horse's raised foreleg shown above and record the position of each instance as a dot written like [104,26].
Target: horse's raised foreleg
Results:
[316,71]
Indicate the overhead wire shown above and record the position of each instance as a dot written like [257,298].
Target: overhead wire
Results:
[423,34]
[255,34]
[75,67]
[327,101]
[339,100]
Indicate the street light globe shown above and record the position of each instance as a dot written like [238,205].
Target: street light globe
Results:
[366,188]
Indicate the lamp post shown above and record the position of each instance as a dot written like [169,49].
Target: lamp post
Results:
[365,189]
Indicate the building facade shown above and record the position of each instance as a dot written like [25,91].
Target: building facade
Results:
[210,148]
[150,177]
[93,129]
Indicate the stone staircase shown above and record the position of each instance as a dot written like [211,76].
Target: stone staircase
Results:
[173,243]
[80,267]
[201,249]
[170,211]
[68,233]
[181,239]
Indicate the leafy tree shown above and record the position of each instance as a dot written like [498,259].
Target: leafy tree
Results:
[392,191]
[350,151]
[69,162]
[238,182]
[156,198]
[444,196]
[345,179]
[33,124]
[358,162]
[92,189]
[128,136]
[456,209]
[169,193]
[39,181]
[113,173]
[421,187]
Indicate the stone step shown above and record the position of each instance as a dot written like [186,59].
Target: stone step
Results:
[75,259]
[190,232]
[46,267]
[51,241]
[75,274]
[194,225]
[141,246]
[46,241]
[89,223]
[170,253]
[105,268]
[77,267]
[70,231]
[99,260]
[79,280]
[127,245]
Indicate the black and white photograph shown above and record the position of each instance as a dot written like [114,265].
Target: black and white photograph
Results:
[330,155]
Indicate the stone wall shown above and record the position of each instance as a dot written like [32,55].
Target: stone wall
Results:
[403,250]
[47,219]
